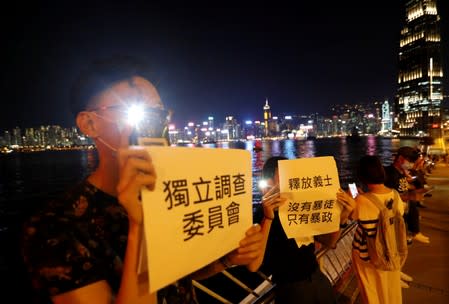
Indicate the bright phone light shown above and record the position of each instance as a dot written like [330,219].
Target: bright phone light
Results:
[263,184]
[135,114]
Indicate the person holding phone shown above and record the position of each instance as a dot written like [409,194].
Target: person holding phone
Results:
[294,268]
[83,247]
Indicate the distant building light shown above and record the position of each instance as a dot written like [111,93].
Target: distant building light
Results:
[370,115]
[275,118]
[225,131]
[210,118]
[207,133]
[191,124]
[288,117]
[203,129]
[210,128]
[171,127]
[248,122]
[310,121]
[257,122]
[205,123]
[189,133]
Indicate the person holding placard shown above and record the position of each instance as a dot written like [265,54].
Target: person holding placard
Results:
[83,248]
[292,262]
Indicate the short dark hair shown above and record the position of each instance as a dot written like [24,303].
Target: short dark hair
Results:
[100,75]
[270,166]
[409,153]
[370,170]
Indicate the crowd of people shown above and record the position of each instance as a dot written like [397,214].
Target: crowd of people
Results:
[406,176]
[83,248]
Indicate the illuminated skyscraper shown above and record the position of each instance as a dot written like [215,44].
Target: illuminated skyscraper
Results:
[266,117]
[420,79]
[386,117]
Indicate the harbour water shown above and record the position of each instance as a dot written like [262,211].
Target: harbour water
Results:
[28,179]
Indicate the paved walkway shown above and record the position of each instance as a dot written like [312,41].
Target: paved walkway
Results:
[428,264]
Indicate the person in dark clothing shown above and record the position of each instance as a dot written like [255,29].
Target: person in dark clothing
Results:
[84,247]
[398,177]
[294,268]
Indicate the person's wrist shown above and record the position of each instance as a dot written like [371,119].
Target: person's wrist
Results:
[268,218]
[225,262]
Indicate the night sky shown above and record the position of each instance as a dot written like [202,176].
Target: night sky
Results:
[204,60]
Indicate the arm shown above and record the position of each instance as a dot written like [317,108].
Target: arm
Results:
[270,202]
[348,204]
[136,171]
[250,249]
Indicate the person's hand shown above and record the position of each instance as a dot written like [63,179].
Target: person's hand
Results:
[347,203]
[136,171]
[272,201]
[251,247]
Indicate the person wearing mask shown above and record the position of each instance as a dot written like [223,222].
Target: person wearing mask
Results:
[295,270]
[398,177]
[83,248]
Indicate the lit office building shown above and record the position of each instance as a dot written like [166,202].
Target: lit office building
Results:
[420,76]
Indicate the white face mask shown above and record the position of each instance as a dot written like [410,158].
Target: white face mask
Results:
[120,124]
[407,165]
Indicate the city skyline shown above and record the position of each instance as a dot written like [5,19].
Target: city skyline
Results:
[348,119]
[207,61]
[335,110]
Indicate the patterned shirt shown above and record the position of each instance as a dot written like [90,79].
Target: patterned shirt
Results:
[81,239]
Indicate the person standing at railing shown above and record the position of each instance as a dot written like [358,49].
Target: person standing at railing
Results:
[375,285]
[398,178]
[83,248]
[295,270]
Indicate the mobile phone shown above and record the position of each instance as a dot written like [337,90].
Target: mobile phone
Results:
[140,139]
[353,189]
[148,141]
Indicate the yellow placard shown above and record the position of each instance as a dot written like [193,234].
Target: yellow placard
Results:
[199,211]
[310,186]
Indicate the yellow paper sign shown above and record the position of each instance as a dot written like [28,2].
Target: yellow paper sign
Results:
[199,211]
[310,186]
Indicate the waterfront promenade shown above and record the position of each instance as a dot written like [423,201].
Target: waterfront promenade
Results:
[428,264]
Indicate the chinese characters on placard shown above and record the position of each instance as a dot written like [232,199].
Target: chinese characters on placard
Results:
[179,193]
[306,212]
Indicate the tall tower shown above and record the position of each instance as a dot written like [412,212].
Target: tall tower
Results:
[386,118]
[420,80]
[266,117]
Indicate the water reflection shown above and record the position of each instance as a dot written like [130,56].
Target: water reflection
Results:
[27,175]
[345,152]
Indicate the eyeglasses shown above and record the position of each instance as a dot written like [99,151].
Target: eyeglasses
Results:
[147,121]
[127,108]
